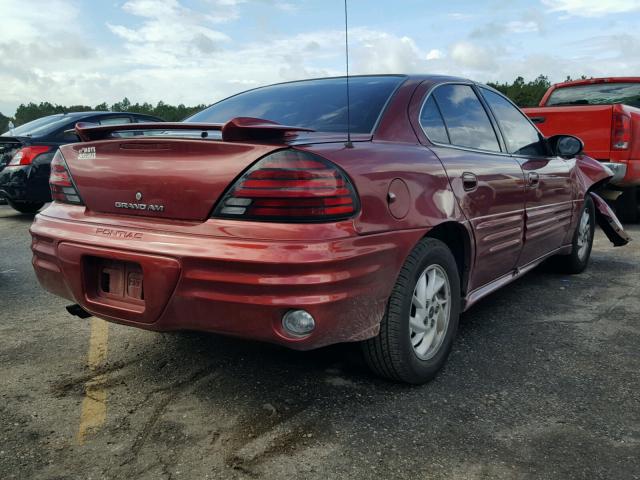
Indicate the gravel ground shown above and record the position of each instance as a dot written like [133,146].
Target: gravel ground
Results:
[544,382]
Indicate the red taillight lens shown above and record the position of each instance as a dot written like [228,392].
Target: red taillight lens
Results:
[291,186]
[25,155]
[621,131]
[62,187]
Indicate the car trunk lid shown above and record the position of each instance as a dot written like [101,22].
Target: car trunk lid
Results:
[174,170]
[158,177]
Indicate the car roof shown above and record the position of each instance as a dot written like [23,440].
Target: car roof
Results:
[58,120]
[413,76]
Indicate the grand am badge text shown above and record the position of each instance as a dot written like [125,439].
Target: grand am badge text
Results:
[87,153]
[140,206]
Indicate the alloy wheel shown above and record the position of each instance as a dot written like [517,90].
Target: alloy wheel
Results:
[584,234]
[430,311]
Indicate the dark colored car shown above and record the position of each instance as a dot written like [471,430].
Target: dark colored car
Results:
[277,229]
[26,152]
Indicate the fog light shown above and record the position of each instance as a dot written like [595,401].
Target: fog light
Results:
[298,323]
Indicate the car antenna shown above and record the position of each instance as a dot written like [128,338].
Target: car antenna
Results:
[348,143]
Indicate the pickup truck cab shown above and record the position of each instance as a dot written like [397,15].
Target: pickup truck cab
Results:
[605,114]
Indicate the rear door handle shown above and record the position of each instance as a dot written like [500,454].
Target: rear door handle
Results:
[469,181]
[538,119]
[533,179]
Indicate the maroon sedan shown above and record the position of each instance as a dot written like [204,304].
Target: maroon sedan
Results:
[257,218]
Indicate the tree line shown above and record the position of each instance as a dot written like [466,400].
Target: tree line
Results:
[32,111]
[523,94]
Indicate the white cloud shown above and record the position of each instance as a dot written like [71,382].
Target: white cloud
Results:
[169,31]
[460,16]
[473,56]
[434,54]
[166,50]
[592,8]
[519,26]
[380,52]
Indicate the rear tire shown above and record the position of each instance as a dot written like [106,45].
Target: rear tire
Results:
[578,259]
[26,207]
[626,205]
[420,322]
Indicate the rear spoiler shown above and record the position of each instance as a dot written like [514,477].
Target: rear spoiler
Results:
[235,130]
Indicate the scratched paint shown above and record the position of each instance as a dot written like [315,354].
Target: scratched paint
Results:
[94,404]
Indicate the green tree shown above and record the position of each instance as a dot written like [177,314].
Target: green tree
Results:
[524,94]
[122,106]
[4,123]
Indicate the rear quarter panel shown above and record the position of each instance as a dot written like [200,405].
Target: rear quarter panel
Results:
[423,195]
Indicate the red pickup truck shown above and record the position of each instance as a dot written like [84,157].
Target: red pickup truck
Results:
[605,114]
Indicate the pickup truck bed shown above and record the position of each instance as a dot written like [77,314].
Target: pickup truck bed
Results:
[594,125]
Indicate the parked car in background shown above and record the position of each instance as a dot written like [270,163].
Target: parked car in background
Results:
[26,152]
[282,229]
[605,114]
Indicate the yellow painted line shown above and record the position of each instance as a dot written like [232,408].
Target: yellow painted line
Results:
[94,404]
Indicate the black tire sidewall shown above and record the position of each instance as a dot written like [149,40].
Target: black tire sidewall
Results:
[419,370]
[581,264]
[25,207]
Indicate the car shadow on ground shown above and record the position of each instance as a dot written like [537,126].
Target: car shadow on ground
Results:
[8,214]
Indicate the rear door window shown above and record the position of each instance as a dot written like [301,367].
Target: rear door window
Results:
[465,118]
[432,122]
[521,137]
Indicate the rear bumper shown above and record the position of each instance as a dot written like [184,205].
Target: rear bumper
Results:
[626,174]
[228,285]
[619,171]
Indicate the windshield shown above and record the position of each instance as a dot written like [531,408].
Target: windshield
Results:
[41,126]
[320,105]
[597,94]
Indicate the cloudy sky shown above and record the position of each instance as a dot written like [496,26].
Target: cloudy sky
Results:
[197,51]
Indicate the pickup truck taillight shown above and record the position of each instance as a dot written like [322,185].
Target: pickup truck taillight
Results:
[290,186]
[621,131]
[62,186]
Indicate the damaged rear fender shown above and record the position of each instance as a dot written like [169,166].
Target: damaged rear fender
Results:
[591,173]
[608,222]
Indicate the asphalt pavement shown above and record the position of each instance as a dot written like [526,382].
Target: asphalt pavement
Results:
[543,382]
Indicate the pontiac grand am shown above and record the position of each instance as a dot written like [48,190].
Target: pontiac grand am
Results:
[283,214]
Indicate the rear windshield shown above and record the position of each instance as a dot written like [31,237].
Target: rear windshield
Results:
[39,127]
[597,94]
[320,105]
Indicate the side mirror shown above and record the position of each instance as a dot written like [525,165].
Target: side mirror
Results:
[565,146]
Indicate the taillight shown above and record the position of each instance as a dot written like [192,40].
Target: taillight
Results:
[25,155]
[621,131]
[62,186]
[290,186]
